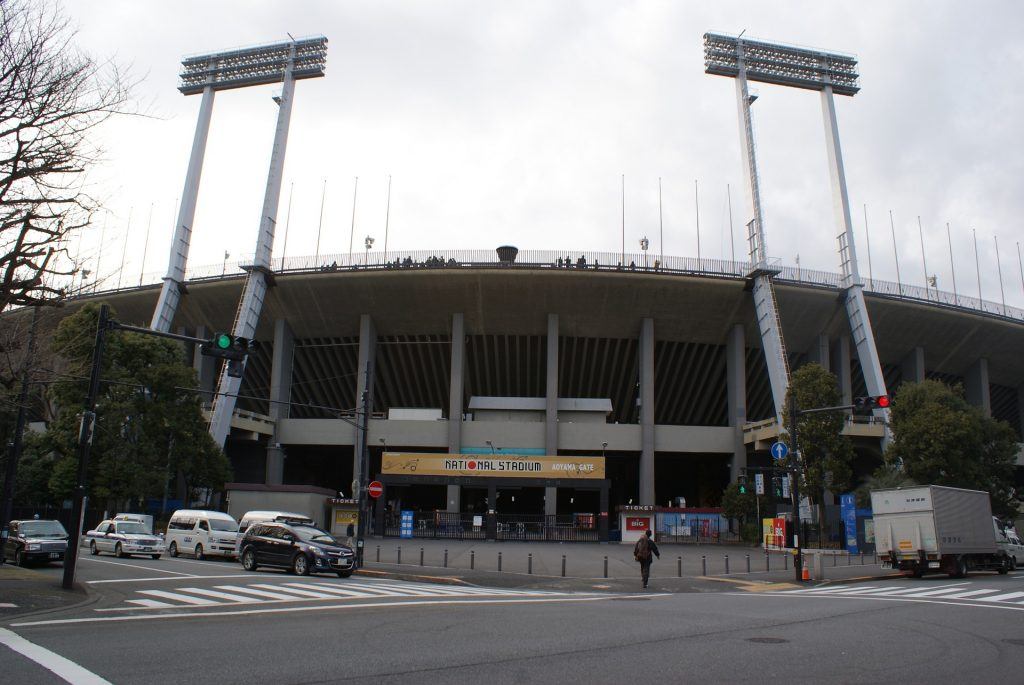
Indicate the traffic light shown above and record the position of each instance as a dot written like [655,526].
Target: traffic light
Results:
[866,404]
[777,487]
[741,481]
[227,346]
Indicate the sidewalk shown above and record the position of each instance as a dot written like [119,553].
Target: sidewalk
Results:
[539,564]
[29,591]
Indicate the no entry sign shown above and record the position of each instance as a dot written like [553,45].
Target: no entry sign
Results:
[375,489]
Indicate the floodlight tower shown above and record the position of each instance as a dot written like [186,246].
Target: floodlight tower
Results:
[827,73]
[280,62]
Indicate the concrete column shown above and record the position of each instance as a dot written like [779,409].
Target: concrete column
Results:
[736,381]
[819,352]
[841,367]
[456,390]
[551,410]
[976,386]
[1020,412]
[206,367]
[647,411]
[280,394]
[912,367]
[367,358]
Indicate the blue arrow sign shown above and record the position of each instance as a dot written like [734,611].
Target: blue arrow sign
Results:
[779,450]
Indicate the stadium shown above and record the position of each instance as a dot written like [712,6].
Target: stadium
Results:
[657,366]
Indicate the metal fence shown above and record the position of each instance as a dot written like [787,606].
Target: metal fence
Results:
[446,525]
[547,259]
[561,528]
[705,531]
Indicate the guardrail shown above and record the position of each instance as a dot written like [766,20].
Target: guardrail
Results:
[645,262]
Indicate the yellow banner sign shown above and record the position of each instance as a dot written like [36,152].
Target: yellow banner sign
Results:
[404,463]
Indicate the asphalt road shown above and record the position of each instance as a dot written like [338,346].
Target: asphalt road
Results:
[179,620]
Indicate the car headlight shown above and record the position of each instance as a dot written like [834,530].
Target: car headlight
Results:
[319,552]
[34,547]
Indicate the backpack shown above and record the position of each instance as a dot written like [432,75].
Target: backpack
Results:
[642,550]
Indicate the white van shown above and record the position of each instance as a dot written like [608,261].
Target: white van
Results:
[202,533]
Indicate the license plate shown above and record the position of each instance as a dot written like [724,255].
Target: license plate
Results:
[54,555]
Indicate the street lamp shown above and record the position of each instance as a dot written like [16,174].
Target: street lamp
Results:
[224,268]
[644,244]
[604,446]
[369,244]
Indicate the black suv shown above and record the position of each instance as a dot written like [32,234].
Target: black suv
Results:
[297,547]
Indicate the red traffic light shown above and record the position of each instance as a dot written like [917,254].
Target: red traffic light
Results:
[882,401]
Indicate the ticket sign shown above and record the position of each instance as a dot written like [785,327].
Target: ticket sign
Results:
[493,466]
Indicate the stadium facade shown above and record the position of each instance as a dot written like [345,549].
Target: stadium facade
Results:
[656,366]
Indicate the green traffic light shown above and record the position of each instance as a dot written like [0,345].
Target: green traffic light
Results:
[222,341]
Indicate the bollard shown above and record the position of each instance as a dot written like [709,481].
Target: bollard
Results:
[834,559]
[399,562]
[848,559]
[472,559]
[785,562]
[748,563]
[726,564]
[529,564]
[767,561]
[378,554]
[679,566]
[499,562]
[874,557]
[421,556]
[606,566]
[703,565]
[446,557]
[862,558]
[563,566]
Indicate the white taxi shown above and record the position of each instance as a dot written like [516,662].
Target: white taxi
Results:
[122,539]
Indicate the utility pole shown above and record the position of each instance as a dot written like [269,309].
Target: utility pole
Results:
[364,461]
[798,558]
[85,433]
[19,431]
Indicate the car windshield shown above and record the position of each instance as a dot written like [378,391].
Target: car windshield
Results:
[43,529]
[224,526]
[311,534]
[132,528]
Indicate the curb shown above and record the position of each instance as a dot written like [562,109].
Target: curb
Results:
[27,575]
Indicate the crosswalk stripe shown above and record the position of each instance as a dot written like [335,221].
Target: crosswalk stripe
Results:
[935,592]
[970,593]
[231,597]
[370,590]
[256,593]
[420,592]
[1002,598]
[294,591]
[345,591]
[177,597]
[150,603]
[841,590]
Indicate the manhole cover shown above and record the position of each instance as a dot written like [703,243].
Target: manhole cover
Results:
[1014,641]
[768,640]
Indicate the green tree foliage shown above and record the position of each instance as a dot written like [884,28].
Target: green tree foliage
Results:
[149,424]
[940,439]
[742,507]
[827,453]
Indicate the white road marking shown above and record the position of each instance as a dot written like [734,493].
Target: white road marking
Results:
[150,580]
[7,605]
[971,593]
[231,597]
[259,593]
[294,591]
[343,607]
[177,597]
[349,592]
[148,603]
[938,591]
[876,598]
[144,568]
[51,661]
[1001,598]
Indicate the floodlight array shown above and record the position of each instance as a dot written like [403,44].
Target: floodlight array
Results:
[781,64]
[253,66]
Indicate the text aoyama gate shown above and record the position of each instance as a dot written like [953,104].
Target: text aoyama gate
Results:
[498,478]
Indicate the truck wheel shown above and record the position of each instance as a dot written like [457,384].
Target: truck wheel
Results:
[173,549]
[961,568]
[1004,566]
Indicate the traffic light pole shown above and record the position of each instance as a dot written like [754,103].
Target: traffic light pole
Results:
[364,476]
[85,433]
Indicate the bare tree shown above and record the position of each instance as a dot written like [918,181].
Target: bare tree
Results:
[52,97]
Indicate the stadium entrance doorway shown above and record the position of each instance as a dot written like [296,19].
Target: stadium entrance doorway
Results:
[499,498]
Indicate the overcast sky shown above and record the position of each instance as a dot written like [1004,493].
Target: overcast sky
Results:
[513,123]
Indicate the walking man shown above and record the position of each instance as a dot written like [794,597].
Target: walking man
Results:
[644,551]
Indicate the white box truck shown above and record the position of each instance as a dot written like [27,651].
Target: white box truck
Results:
[937,529]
